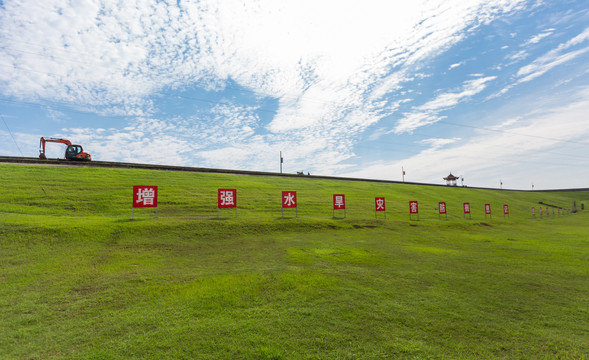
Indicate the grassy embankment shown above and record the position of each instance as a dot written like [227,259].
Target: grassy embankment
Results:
[80,280]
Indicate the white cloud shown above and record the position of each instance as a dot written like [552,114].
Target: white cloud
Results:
[545,64]
[453,66]
[548,61]
[428,113]
[537,38]
[553,58]
[518,56]
[436,143]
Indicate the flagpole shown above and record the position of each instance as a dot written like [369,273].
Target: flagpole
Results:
[281,162]
[403,171]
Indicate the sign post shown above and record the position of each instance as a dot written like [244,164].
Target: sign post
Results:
[488,211]
[379,205]
[289,200]
[413,209]
[226,198]
[144,196]
[339,203]
[466,207]
[442,210]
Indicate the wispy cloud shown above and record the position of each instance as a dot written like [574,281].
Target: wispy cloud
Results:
[553,58]
[548,61]
[429,112]
[537,38]
[453,66]
[436,143]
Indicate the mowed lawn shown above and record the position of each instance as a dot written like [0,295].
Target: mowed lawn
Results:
[80,280]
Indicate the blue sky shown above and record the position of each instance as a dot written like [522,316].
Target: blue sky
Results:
[492,91]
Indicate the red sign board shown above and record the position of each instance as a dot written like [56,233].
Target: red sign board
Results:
[144,196]
[227,198]
[505,209]
[533,211]
[289,199]
[379,204]
[488,209]
[339,201]
[466,207]
[442,207]
[413,208]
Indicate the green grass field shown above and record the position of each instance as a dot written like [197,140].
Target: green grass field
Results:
[80,280]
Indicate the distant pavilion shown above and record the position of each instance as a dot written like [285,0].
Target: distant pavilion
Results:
[451,180]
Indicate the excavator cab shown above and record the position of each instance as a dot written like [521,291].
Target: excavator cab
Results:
[75,152]
[72,151]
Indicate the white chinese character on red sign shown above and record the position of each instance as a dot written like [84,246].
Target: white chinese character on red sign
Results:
[487,209]
[379,204]
[289,199]
[505,209]
[339,201]
[466,207]
[227,198]
[144,196]
[442,207]
[413,208]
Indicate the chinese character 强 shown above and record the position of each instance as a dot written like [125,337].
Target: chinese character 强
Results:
[227,198]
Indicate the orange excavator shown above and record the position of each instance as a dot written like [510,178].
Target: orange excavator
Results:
[72,152]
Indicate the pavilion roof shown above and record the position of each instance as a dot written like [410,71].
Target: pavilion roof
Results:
[451,177]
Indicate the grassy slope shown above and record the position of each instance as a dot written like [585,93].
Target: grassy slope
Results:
[79,280]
